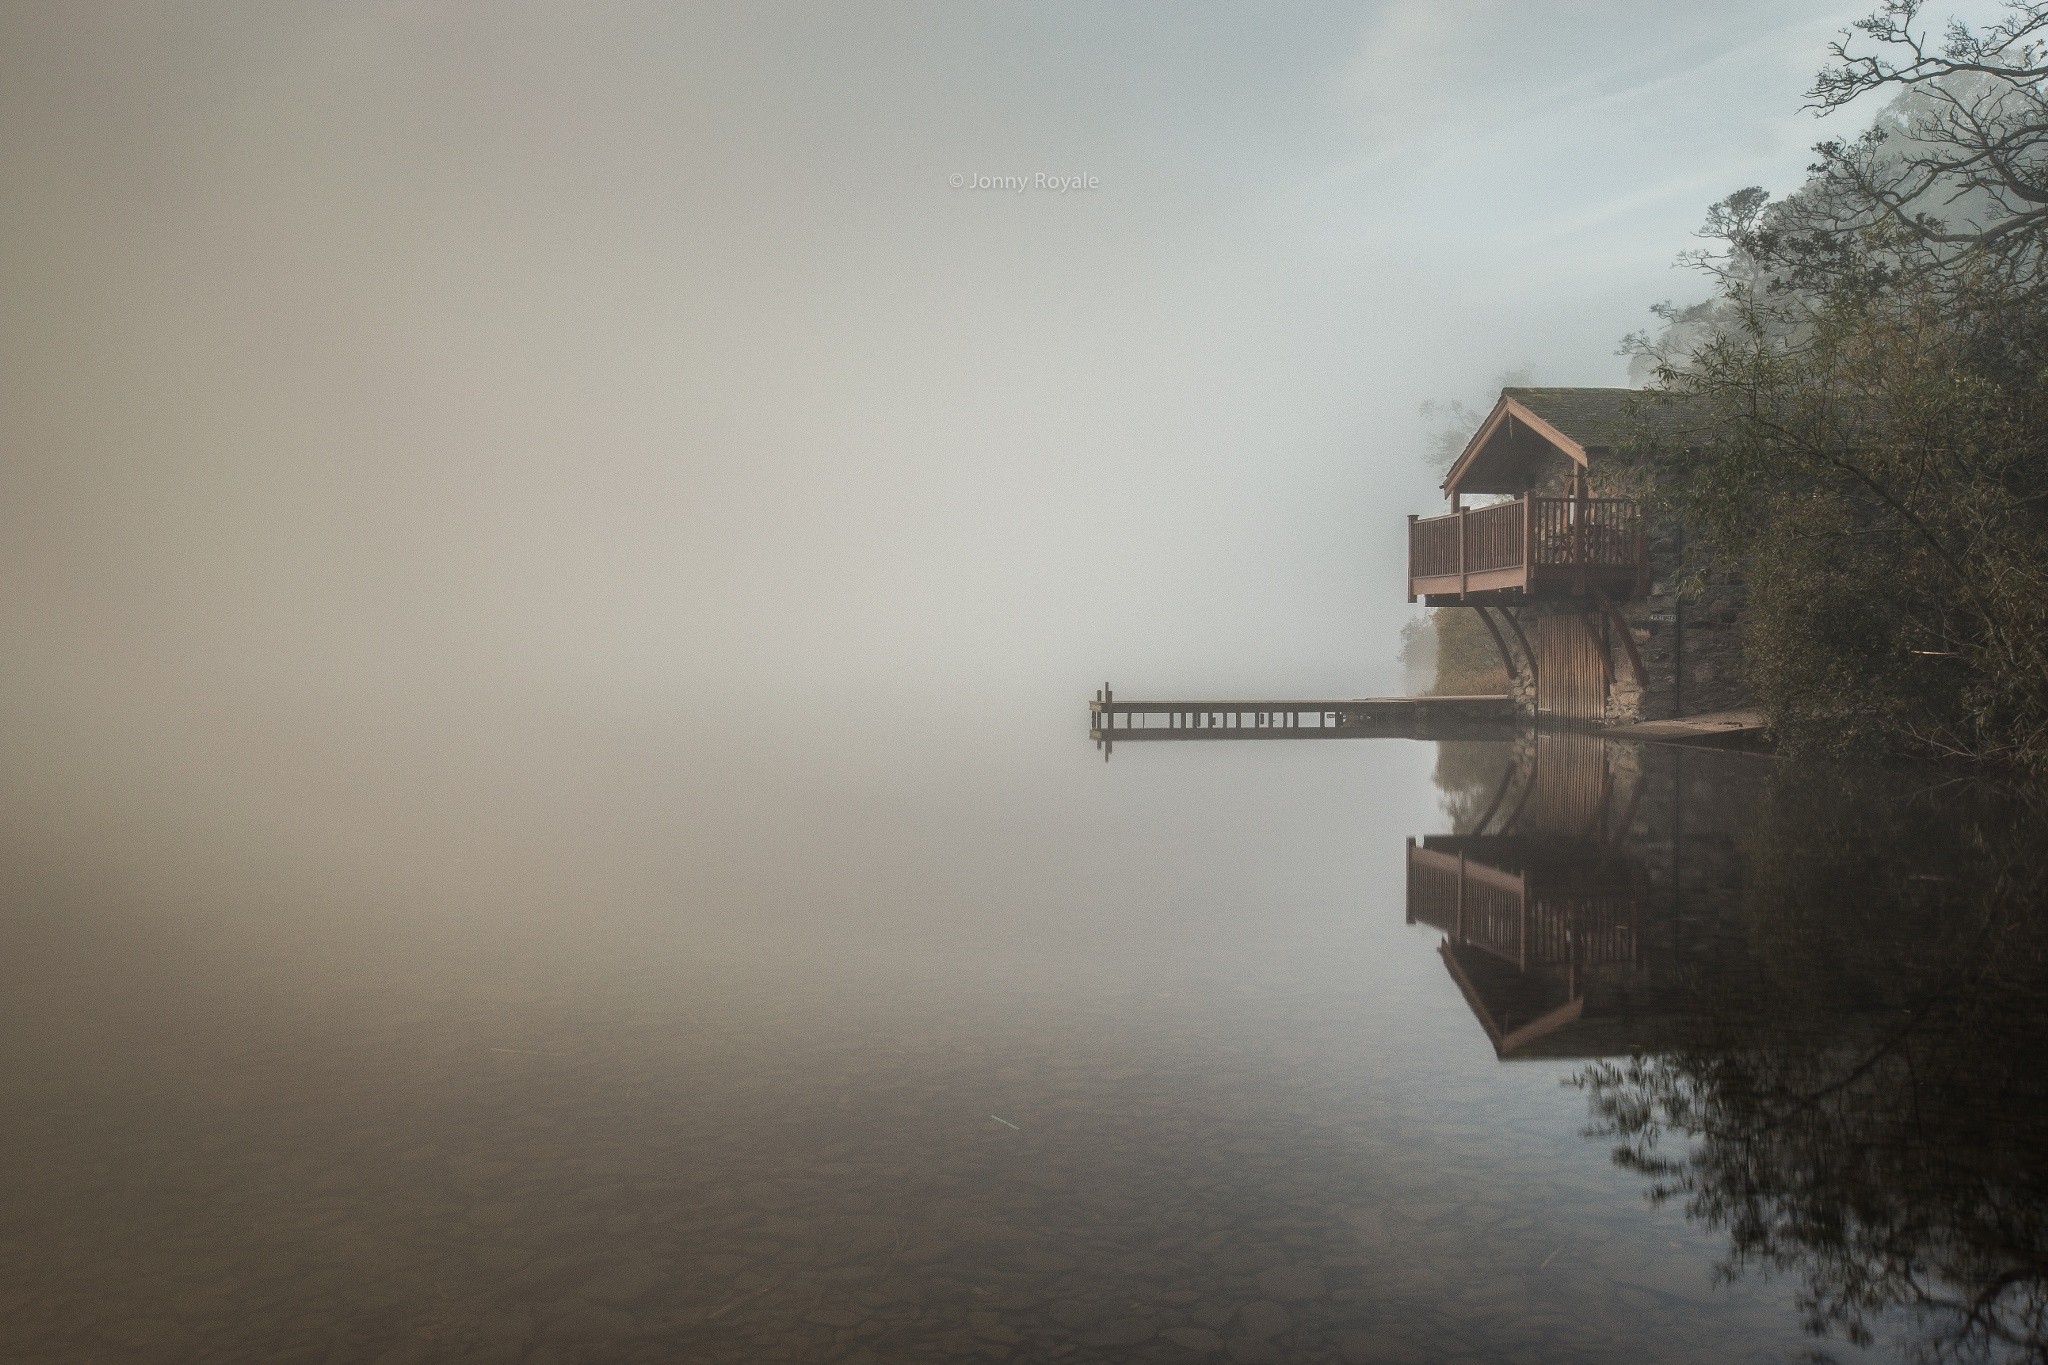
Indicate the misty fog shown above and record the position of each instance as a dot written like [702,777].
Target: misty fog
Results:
[512,509]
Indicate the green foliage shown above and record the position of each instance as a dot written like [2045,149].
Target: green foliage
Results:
[1882,468]
[1872,386]
[1820,652]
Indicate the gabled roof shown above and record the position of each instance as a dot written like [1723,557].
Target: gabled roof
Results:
[1515,1009]
[1597,419]
[1528,1018]
[1528,427]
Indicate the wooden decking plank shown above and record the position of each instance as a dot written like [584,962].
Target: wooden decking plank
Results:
[1710,728]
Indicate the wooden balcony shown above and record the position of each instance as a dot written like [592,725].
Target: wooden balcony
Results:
[1542,953]
[1556,912]
[1531,547]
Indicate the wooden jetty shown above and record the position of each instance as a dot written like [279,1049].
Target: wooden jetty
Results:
[1738,729]
[1112,722]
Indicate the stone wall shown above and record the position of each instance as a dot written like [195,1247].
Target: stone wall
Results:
[1692,646]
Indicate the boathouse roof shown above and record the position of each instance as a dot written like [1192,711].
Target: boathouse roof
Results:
[1530,427]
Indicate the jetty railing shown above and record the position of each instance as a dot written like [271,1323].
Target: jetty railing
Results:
[1449,717]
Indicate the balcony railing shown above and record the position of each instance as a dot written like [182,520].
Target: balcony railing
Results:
[1524,546]
[1500,911]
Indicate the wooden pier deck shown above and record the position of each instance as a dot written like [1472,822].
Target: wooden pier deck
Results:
[1113,722]
[1741,729]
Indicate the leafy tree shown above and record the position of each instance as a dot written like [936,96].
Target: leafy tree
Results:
[1868,402]
[1955,179]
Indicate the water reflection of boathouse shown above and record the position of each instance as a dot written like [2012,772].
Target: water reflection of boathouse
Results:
[1543,903]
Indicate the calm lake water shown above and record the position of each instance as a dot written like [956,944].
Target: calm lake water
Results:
[955,1042]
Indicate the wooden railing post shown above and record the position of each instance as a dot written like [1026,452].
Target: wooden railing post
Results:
[1579,528]
[1463,575]
[1411,556]
[1528,540]
[1410,864]
[1458,917]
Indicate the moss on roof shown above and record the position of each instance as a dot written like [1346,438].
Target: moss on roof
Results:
[1601,419]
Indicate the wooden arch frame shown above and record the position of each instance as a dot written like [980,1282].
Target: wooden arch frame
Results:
[1508,411]
[1500,642]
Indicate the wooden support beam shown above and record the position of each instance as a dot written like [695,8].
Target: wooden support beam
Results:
[1507,777]
[1515,624]
[1500,642]
[1628,638]
[1409,863]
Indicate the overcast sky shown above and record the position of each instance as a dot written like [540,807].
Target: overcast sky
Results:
[609,354]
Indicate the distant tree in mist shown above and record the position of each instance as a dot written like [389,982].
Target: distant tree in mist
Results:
[1468,776]
[1448,645]
[1450,653]
[1452,421]
[1952,180]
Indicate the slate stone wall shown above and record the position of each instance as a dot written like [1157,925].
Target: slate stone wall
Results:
[1691,646]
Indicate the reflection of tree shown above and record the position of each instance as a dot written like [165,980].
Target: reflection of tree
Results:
[1555,784]
[1859,1099]
[1468,773]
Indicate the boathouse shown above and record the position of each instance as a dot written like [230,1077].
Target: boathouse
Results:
[1573,580]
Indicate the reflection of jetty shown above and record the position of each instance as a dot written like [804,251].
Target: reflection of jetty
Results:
[1114,722]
